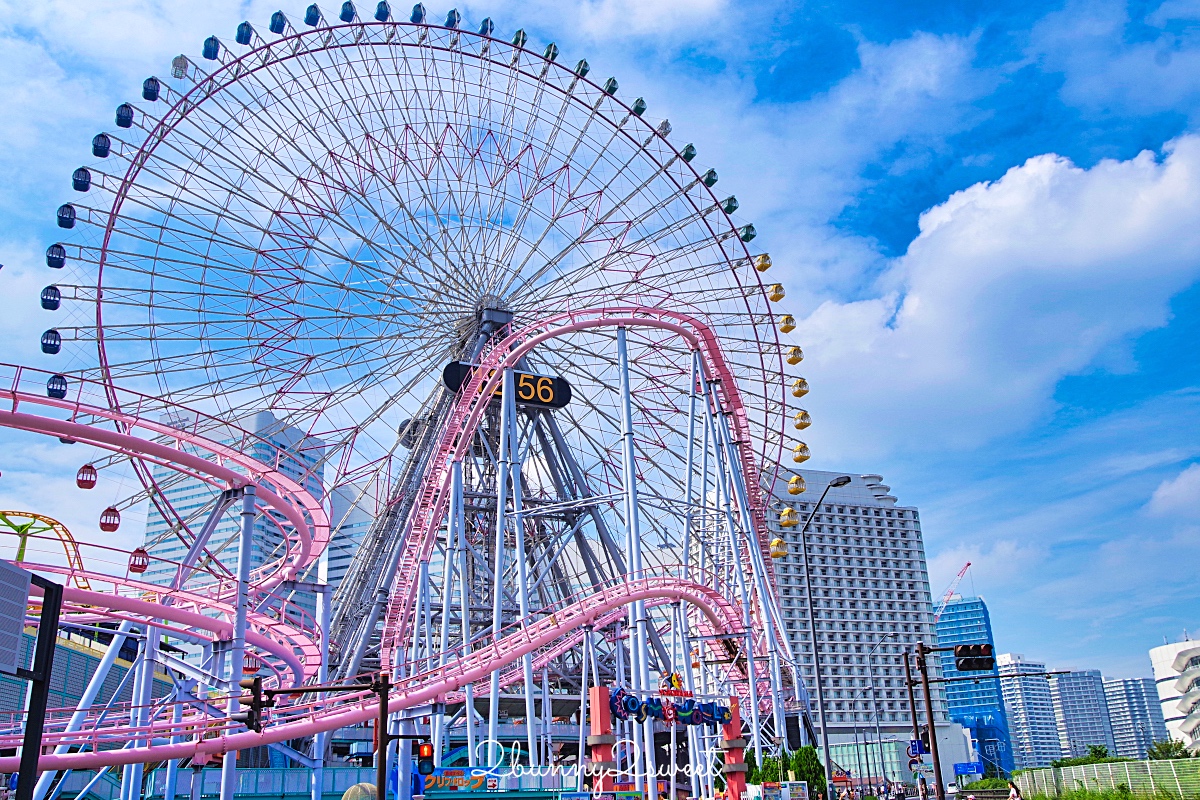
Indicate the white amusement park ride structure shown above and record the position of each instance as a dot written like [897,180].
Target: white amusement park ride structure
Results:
[504,313]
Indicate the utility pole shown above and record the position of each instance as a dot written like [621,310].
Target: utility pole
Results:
[912,709]
[39,691]
[912,700]
[381,688]
[922,651]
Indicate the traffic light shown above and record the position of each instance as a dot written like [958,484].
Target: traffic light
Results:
[973,658]
[925,739]
[425,758]
[252,718]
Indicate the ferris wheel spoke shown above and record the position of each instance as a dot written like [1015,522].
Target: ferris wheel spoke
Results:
[301,118]
[601,191]
[428,190]
[508,159]
[508,251]
[497,199]
[581,241]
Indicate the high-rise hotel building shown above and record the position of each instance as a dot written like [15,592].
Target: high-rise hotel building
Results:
[871,598]
[1081,712]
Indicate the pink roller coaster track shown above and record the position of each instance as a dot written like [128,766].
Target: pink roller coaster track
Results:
[295,646]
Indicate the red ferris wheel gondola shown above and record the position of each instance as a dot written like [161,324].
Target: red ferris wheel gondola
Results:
[139,561]
[110,519]
[86,477]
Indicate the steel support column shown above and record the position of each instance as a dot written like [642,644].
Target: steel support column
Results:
[237,652]
[502,474]
[639,652]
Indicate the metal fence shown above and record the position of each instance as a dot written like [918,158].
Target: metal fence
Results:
[1171,778]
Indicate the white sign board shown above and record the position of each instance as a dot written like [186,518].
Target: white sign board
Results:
[14,597]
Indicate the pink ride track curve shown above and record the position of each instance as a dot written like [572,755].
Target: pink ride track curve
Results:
[295,648]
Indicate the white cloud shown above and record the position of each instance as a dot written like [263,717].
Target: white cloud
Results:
[1009,287]
[1178,495]
[1105,72]
[994,563]
[644,16]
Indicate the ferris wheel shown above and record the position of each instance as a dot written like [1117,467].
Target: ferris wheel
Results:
[338,218]
[311,224]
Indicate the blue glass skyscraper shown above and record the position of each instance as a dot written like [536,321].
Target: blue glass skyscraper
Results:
[977,706]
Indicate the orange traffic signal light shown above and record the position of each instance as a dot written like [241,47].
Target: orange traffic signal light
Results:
[425,750]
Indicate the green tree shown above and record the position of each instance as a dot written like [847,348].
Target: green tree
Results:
[795,766]
[1097,754]
[1168,749]
[751,766]
[770,771]
[807,766]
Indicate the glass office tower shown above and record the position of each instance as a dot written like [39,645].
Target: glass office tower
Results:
[976,705]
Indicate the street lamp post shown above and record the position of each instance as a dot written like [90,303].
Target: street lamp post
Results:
[875,702]
[841,480]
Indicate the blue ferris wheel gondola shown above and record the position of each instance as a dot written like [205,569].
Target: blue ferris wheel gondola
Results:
[66,216]
[51,342]
[56,256]
[51,298]
[56,387]
[101,145]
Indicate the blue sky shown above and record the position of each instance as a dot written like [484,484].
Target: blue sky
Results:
[987,216]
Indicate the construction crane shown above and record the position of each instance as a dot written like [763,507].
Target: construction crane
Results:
[950,591]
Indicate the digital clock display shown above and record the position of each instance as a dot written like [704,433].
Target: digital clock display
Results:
[532,390]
